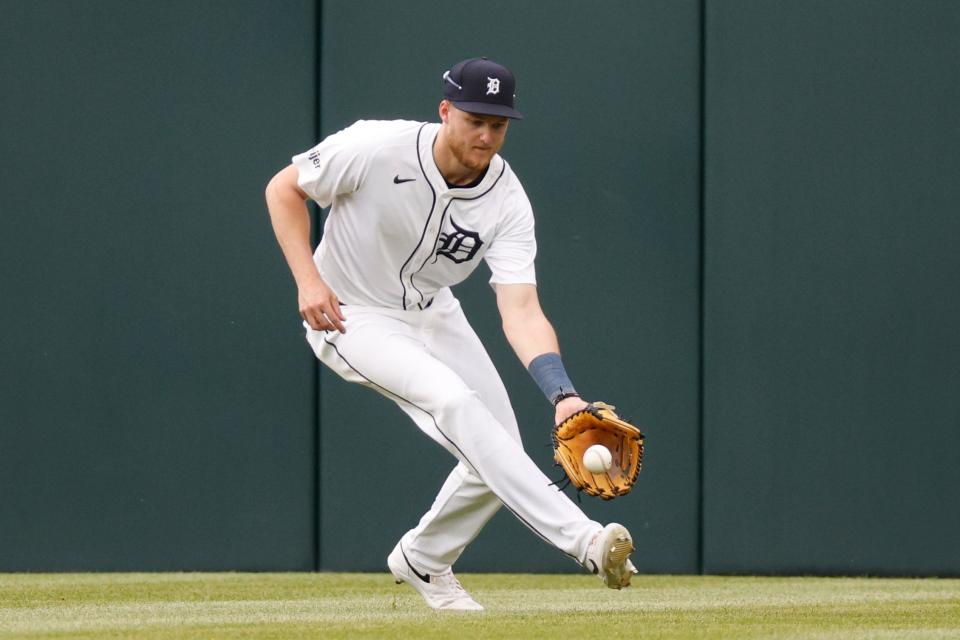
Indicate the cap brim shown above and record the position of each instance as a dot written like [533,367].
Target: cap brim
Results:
[486,109]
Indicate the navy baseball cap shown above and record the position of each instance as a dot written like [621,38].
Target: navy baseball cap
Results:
[480,85]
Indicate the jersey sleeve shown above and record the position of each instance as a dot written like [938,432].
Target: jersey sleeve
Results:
[512,252]
[336,166]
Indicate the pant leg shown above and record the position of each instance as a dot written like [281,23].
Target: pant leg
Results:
[461,509]
[452,340]
[389,355]
[464,504]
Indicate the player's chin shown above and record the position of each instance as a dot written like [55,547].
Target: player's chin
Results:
[481,158]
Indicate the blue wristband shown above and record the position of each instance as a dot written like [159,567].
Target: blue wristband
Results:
[548,372]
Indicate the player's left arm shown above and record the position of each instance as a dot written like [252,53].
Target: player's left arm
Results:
[530,333]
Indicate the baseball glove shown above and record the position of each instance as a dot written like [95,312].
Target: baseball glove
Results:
[598,424]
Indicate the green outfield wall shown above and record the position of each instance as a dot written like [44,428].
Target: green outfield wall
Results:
[609,155]
[747,229]
[832,287]
[157,406]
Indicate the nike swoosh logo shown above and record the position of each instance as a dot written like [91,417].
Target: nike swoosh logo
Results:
[398,180]
[423,576]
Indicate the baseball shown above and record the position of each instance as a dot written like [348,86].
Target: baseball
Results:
[597,458]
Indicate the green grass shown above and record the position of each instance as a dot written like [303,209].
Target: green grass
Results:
[554,607]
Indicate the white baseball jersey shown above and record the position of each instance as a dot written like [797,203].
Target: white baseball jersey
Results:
[396,233]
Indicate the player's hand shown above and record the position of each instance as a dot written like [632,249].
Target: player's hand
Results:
[567,407]
[320,308]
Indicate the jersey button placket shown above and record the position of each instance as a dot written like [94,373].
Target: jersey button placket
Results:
[425,251]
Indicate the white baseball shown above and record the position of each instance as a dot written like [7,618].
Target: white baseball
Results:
[597,458]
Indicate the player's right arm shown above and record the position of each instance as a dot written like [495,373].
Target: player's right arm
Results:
[287,205]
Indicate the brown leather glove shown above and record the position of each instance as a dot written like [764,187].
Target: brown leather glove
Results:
[598,424]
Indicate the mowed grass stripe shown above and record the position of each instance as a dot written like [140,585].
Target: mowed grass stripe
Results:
[518,606]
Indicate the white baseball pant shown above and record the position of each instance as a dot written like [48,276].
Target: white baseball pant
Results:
[433,365]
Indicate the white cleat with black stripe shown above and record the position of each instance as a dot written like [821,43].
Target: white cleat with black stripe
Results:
[442,592]
[608,556]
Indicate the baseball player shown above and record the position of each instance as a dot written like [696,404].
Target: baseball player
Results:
[414,209]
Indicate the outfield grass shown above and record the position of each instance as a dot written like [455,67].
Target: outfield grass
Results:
[554,607]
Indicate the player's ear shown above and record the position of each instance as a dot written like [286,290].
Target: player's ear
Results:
[444,111]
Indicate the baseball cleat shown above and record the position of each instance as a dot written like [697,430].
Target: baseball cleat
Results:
[609,556]
[442,592]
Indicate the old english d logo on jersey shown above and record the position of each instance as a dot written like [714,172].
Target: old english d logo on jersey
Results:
[461,245]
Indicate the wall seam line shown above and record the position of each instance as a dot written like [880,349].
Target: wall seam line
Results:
[315,215]
[701,293]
